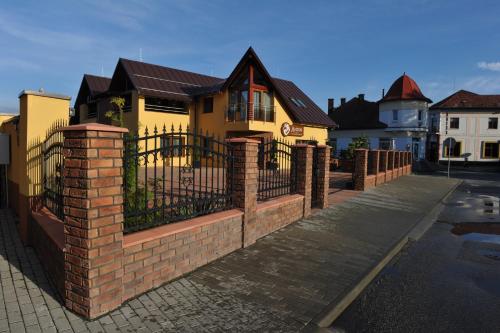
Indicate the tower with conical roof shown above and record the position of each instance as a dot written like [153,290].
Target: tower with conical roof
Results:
[404,110]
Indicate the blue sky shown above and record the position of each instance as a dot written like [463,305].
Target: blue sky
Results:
[328,48]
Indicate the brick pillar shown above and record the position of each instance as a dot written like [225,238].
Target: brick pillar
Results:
[374,155]
[323,175]
[245,182]
[93,208]
[304,155]
[360,169]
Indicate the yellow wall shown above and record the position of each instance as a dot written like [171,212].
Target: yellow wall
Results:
[4,117]
[216,122]
[38,116]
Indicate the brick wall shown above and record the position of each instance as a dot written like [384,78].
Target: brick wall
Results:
[47,238]
[155,256]
[276,214]
[389,164]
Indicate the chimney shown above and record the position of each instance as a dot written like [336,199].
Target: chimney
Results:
[342,101]
[330,105]
[361,97]
[383,92]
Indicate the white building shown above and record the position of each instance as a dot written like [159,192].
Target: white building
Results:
[397,121]
[471,121]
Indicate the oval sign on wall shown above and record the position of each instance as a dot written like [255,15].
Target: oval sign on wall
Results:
[292,130]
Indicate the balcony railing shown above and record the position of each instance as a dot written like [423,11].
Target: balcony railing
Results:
[239,112]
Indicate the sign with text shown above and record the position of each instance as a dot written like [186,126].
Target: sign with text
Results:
[292,130]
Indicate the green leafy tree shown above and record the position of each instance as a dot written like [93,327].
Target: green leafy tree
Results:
[116,115]
[357,143]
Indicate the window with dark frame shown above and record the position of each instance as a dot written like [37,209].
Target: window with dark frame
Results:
[394,115]
[490,150]
[454,123]
[493,123]
[173,146]
[92,110]
[456,150]
[156,104]
[208,105]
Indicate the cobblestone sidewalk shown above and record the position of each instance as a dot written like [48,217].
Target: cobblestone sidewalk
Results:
[277,285]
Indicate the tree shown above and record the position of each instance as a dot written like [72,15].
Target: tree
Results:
[360,142]
[116,115]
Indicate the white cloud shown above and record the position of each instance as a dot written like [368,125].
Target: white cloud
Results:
[491,66]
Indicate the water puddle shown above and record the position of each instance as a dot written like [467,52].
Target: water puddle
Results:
[484,238]
[478,230]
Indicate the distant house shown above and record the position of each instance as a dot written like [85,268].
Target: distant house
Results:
[471,121]
[397,121]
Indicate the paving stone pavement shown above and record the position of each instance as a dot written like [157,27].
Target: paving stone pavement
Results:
[277,285]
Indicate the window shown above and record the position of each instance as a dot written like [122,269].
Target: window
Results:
[490,149]
[455,123]
[172,146]
[206,147]
[492,123]
[165,105]
[298,102]
[208,105]
[394,115]
[420,114]
[92,110]
[385,143]
[456,150]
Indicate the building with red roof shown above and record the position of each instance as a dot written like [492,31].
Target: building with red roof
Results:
[397,121]
[470,122]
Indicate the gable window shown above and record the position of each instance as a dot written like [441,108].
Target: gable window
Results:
[92,110]
[456,150]
[490,150]
[492,123]
[156,104]
[394,115]
[208,105]
[455,123]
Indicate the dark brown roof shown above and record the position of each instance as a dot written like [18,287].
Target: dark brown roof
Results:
[357,114]
[404,88]
[287,91]
[464,99]
[311,113]
[160,81]
[97,84]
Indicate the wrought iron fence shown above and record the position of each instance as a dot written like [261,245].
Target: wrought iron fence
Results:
[277,169]
[173,175]
[53,173]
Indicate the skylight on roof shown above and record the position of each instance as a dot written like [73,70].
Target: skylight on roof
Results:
[298,102]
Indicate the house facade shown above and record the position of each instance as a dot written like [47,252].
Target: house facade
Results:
[249,103]
[470,122]
[397,121]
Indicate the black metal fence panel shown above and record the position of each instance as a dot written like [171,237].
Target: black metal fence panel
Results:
[174,175]
[53,173]
[277,169]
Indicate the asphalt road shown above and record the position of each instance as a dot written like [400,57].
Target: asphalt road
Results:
[449,280]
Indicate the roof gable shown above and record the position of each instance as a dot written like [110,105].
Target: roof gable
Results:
[91,85]
[464,99]
[357,113]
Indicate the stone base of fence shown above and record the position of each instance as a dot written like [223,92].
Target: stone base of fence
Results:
[386,166]
[47,238]
[155,256]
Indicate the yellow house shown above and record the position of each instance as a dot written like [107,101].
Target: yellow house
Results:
[249,103]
